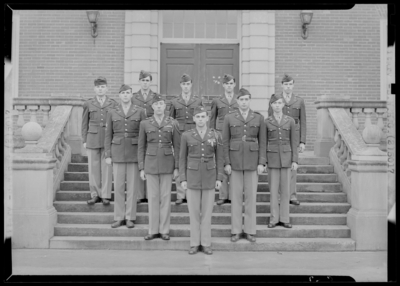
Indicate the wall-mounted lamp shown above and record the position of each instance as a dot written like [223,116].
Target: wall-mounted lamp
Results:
[305,17]
[92,17]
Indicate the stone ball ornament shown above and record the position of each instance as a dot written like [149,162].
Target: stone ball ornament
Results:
[31,131]
[372,134]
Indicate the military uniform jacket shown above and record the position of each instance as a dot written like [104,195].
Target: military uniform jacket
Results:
[138,99]
[296,109]
[281,148]
[157,144]
[201,160]
[122,133]
[244,141]
[221,107]
[94,121]
[183,112]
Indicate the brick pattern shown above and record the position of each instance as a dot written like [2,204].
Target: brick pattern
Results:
[341,56]
[58,53]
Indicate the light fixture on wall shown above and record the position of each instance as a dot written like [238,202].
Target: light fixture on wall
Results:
[305,17]
[92,17]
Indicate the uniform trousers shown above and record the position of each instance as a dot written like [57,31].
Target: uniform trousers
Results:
[293,182]
[159,196]
[140,185]
[100,174]
[180,192]
[200,204]
[122,172]
[279,179]
[225,192]
[246,181]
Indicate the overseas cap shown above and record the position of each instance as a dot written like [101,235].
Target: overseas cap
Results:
[185,78]
[227,77]
[144,74]
[275,97]
[199,109]
[157,97]
[243,92]
[100,80]
[286,78]
[124,87]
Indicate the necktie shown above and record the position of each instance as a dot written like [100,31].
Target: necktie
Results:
[244,115]
[144,96]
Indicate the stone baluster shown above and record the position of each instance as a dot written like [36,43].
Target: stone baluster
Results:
[337,141]
[355,112]
[371,134]
[46,110]
[343,155]
[21,110]
[341,149]
[33,109]
[346,163]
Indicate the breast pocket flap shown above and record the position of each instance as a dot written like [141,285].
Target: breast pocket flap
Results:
[193,165]
[134,141]
[116,141]
[211,165]
[273,148]
[287,148]
[254,146]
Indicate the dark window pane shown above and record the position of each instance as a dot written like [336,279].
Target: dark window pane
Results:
[232,16]
[178,30]
[210,30]
[178,16]
[189,16]
[200,16]
[232,31]
[221,16]
[221,31]
[200,30]
[168,16]
[167,30]
[189,30]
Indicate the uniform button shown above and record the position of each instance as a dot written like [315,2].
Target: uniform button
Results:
[202,143]
[159,135]
[202,149]
[159,141]
[245,131]
[202,154]
[187,117]
[280,137]
[245,126]
[126,129]
[126,124]
[102,119]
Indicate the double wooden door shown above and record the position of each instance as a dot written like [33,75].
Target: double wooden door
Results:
[205,63]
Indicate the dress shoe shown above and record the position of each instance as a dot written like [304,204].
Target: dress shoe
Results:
[272,225]
[178,202]
[142,201]
[165,236]
[94,200]
[286,224]
[235,237]
[118,223]
[151,236]
[106,202]
[295,202]
[130,224]
[194,249]
[221,202]
[250,237]
[207,250]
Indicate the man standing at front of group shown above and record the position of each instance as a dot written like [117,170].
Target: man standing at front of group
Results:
[158,137]
[244,140]
[144,98]
[295,108]
[93,133]
[182,109]
[220,107]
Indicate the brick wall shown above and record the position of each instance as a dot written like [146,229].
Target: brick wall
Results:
[58,54]
[339,57]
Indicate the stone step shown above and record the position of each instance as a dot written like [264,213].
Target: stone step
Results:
[261,197]
[182,218]
[311,178]
[81,206]
[304,159]
[262,187]
[183,230]
[218,244]
[303,169]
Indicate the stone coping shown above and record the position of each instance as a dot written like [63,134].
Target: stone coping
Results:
[61,100]
[347,103]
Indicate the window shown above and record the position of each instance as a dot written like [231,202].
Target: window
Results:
[200,24]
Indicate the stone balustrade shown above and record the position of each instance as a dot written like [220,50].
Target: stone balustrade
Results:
[359,162]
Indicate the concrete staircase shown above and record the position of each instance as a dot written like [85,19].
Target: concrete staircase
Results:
[319,223]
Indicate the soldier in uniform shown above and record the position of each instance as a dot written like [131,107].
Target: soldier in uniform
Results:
[282,157]
[200,159]
[144,99]
[182,109]
[121,148]
[221,106]
[94,117]
[294,107]
[244,139]
[159,140]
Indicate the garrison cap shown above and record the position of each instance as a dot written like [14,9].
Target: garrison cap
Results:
[144,74]
[199,109]
[287,78]
[243,92]
[227,77]
[100,81]
[124,87]
[185,78]
[275,97]
[157,97]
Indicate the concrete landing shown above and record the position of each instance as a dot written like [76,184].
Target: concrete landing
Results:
[362,266]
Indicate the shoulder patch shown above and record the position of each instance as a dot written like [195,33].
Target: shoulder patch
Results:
[187,131]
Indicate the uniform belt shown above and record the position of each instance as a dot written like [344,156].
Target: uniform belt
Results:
[101,124]
[245,138]
[160,144]
[128,134]
[202,159]
[278,143]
